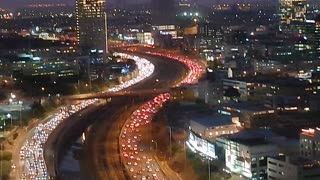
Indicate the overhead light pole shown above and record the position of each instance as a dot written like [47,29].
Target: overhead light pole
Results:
[10,116]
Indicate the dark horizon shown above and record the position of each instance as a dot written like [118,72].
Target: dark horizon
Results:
[10,4]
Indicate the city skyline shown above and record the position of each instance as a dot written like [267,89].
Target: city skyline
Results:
[21,3]
[167,89]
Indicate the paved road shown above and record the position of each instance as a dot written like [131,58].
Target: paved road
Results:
[101,151]
[101,157]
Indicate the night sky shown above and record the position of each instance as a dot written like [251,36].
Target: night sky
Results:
[20,3]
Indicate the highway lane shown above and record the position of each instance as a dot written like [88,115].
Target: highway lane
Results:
[69,131]
[155,84]
[101,150]
[167,72]
[101,157]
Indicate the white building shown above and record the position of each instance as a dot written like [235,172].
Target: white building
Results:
[210,127]
[246,152]
[204,130]
[249,157]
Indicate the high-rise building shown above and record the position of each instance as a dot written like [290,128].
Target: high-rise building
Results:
[317,36]
[292,11]
[91,26]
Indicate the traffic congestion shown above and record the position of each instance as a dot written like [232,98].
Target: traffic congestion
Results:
[32,161]
[136,156]
[195,69]
[32,165]
[145,69]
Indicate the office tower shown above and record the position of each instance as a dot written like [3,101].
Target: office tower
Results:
[91,26]
[292,11]
[317,36]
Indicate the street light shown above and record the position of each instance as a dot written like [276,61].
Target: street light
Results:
[209,168]
[170,140]
[20,113]
[10,116]
[13,96]
[156,144]
[1,145]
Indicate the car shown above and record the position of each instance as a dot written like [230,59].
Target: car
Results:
[134,177]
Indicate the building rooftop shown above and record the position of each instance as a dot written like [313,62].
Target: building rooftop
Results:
[251,141]
[311,132]
[212,120]
[298,161]
[279,81]
[246,106]
[252,137]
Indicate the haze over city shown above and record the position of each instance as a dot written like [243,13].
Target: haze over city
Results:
[160,89]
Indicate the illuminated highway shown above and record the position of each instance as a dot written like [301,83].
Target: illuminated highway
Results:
[166,74]
[102,147]
[32,163]
[136,156]
[109,157]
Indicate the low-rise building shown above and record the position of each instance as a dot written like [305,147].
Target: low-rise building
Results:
[248,156]
[310,143]
[246,152]
[250,115]
[210,127]
[204,129]
[282,167]
[244,88]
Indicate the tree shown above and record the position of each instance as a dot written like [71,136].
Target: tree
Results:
[2,96]
[37,109]
[232,93]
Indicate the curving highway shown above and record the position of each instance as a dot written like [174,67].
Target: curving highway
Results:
[102,158]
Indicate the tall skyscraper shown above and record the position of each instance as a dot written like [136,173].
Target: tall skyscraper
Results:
[91,26]
[292,11]
[317,36]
